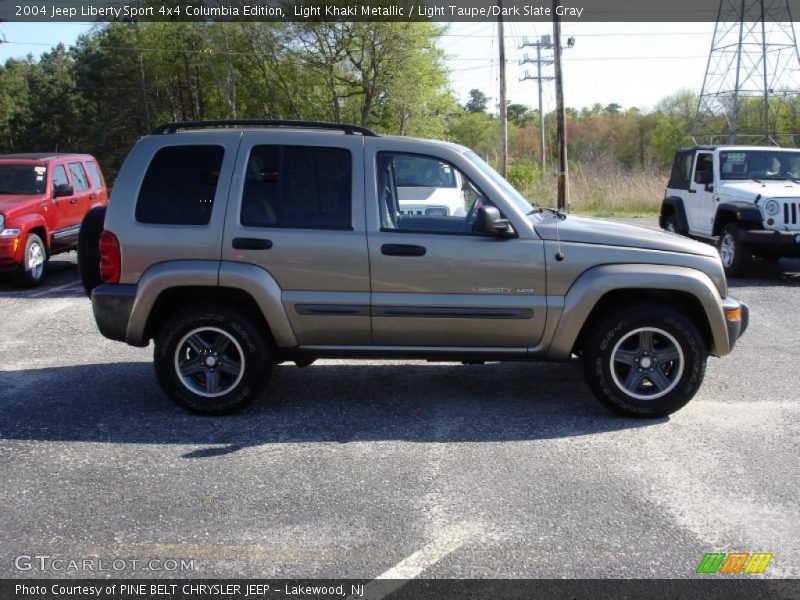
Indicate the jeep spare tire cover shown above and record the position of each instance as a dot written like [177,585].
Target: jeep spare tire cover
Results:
[89,248]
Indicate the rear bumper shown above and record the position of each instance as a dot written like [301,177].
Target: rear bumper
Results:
[112,306]
[783,243]
[737,327]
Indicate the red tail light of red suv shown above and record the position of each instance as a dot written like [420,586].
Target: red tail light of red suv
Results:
[110,258]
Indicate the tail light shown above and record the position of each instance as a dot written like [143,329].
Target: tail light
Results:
[110,258]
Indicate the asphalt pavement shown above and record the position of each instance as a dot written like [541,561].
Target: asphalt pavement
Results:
[400,468]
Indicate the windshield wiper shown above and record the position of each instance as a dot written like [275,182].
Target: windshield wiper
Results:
[540,209]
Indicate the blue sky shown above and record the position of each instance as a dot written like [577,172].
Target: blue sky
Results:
[632,64]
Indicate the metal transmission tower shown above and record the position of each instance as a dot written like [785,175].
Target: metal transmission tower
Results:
[753,70]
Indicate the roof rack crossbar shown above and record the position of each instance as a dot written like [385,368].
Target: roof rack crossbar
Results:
[345,127]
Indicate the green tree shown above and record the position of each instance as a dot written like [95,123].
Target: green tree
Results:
[477,103]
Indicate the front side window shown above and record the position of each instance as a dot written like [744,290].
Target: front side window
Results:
[420,171]
[180,185]
[59,176]
[705,164]
[22,179]
[302,187]
[425,194]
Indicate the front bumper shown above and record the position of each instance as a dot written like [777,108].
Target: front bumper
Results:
[736,327]
[112,306]
[10,255]
[784,243]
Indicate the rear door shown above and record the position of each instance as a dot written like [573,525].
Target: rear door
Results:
[80,202]
[297,210]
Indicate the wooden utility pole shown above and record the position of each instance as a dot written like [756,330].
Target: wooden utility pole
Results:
[503,103]
[542,161]
[144,93]
[561,125]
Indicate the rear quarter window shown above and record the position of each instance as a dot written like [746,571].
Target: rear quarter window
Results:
[179,186]
[681,171]
[94,174]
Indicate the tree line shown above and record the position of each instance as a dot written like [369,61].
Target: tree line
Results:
[120,80]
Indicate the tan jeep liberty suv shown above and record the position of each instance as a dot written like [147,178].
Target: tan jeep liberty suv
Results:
[237,245]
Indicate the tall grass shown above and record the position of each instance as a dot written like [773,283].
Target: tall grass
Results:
[598,189]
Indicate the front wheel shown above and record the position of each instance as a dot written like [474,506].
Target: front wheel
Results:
[645,361]
[735,255]
[212,360]
[31,272]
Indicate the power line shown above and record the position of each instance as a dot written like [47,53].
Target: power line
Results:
[457,59]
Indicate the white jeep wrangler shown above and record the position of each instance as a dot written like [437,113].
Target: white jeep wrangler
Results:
[747,198]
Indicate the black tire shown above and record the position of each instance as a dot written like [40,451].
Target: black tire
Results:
[233,392]
[32,275]
[670,223]
[736,255]
[614,338]
[89,248]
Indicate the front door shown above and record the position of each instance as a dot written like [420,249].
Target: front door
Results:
[700,208]
[436,283]
[296,209]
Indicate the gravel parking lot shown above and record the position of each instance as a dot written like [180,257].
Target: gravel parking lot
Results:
[499,470]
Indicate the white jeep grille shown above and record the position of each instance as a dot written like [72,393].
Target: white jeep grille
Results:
[791,212]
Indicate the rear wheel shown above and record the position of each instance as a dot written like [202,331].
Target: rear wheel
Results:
[669,223]
[212,360]
[31,272]
[89,248]
[736,256]
[645,361]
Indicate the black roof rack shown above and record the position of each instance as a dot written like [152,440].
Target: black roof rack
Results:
[345,127]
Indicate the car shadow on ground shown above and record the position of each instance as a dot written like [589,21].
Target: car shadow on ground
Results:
[327,402]
[785,272]
[61,280]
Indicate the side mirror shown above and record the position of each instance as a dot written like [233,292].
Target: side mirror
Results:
[63,189]
[704,177]
[490,222]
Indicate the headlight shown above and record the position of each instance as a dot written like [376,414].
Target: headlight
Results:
[772,208]
[2,222]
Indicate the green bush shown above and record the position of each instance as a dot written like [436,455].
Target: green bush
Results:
[523,176]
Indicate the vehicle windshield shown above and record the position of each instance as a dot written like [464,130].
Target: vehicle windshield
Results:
[759,164]
[22,179]
[513,195]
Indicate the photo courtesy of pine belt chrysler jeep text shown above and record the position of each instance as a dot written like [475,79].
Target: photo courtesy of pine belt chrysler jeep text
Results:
[237,245]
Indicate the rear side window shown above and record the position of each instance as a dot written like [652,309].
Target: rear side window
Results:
[299,187]
[94,174]
[59,176]
[681,171]
[78,177]
[180,185]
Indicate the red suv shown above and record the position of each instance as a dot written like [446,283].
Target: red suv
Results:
[43,198]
